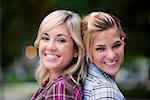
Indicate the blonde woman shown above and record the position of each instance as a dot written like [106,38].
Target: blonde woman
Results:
[104,41]
[61,53]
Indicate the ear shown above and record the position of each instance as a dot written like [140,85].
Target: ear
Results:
[75,53]
[123,38]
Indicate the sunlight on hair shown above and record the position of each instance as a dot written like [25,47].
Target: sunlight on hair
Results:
[30,52]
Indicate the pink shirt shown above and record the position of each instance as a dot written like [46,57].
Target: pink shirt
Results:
[61,88]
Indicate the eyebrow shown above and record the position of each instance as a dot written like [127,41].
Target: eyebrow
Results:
[63,35]
[100,45]
[117,42]
[46,34]
[57,35]
[104,45]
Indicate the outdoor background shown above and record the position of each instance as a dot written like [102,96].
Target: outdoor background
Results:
[20,20]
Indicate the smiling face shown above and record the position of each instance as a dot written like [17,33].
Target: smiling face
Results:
[56,49]
[108,51]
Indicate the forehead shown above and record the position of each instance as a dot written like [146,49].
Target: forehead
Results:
[59,29]
[110,35]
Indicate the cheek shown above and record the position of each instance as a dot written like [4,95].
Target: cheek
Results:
[66,50]
[97,56]
[68,47]
[120,52]
[69,51]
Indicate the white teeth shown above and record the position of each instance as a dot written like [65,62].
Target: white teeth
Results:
[51,57]
[110,63]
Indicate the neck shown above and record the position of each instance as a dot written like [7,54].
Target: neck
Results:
[113,77]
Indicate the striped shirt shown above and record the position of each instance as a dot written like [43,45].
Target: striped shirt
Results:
[99,86]
[61,88]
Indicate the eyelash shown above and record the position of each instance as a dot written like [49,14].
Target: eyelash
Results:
[117,45]
[62,40]
[100,49]
[45,38]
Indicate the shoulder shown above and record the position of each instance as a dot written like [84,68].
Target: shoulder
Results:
[92,80]
[102,90]
[107,90]
[89,86]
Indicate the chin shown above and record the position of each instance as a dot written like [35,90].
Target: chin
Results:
[112,72]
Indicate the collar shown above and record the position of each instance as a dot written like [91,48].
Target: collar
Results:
[96,72]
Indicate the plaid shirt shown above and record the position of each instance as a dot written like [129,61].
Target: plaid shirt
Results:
[61,88]
[99,86]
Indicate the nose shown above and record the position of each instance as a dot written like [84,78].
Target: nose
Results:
[111,55]
[51,46]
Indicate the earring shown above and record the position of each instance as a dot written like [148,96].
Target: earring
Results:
[75,54]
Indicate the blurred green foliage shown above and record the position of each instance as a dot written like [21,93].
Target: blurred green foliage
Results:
[20,20]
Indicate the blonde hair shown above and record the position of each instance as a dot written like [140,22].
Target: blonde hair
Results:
[98,21]
[73,23]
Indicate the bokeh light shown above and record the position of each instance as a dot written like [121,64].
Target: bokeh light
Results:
[30,52]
